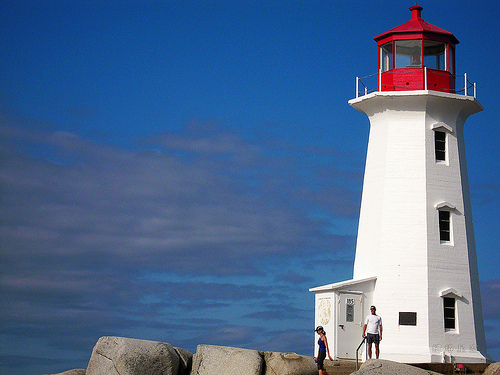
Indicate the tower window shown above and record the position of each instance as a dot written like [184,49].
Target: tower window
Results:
[449,313]
[440,145]
[444,226]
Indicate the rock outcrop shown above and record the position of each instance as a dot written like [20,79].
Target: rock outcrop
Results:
[384,367]
[220,360]
[76,371]
[493,369]
[124,356]
[186,360]
[288,364]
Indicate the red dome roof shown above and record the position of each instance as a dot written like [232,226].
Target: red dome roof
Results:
[416,25]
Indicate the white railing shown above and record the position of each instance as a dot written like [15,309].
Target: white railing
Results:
[364,84]
[357,350]
[469,84]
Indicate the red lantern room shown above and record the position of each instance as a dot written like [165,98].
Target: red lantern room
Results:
[416,56]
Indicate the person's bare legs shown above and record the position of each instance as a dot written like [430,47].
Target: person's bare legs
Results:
[377,350]
[369,351]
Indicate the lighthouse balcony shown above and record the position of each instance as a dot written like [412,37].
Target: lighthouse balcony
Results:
[417,79]
[410,79]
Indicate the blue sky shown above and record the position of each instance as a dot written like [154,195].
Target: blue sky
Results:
[186,171]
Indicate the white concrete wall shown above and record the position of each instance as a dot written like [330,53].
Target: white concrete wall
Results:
[393,213]
[324,316]
[454,264]
[398,235]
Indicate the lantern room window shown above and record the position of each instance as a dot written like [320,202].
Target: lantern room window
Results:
[408,53]
[386,57]
[435,55]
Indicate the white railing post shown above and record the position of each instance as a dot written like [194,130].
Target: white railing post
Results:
[474,90]
[357,87]
[357,350]
[465,89]
[425,78]
[380,80]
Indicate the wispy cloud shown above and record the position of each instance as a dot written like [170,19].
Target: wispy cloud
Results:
[162,204]
[486,193]
[490,292]
[89,229]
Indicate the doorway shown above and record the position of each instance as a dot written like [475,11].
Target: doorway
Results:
[350,325]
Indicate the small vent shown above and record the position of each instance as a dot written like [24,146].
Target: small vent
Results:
[407,318]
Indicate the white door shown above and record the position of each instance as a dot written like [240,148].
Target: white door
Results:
[350,325]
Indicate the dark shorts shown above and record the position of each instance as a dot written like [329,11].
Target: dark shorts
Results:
[321,357]
[373,338]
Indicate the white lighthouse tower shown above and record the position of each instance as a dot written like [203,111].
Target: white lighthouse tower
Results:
[415,253]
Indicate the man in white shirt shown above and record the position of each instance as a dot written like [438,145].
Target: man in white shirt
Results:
[373,331]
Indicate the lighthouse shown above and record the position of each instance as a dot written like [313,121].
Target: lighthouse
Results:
[415,252]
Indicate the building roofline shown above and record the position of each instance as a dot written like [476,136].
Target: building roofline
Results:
[342,284]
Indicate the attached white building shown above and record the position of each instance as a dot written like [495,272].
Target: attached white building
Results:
[415,254]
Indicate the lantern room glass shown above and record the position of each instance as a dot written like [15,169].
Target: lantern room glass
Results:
[386,57]
[435,55]
[408,53]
